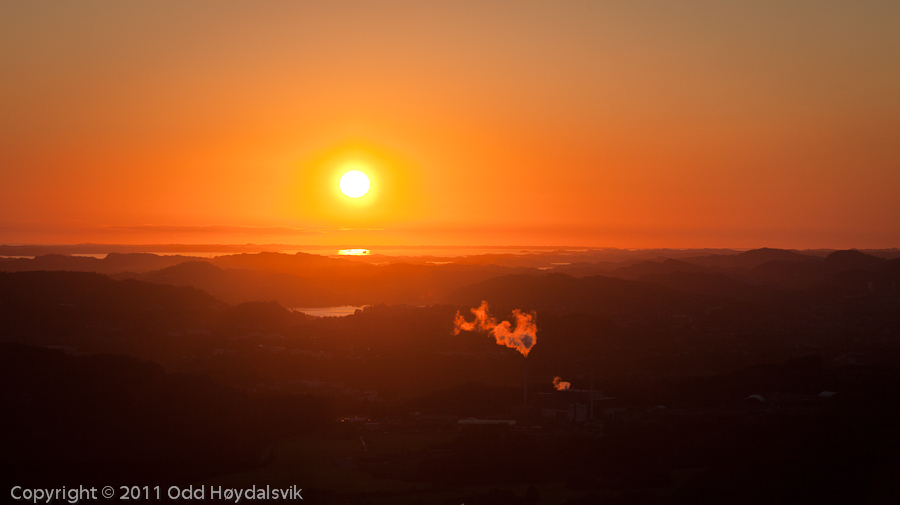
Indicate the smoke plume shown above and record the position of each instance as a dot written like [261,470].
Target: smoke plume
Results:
[522,338]
[560,384]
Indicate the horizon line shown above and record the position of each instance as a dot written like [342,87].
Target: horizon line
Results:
[399,246]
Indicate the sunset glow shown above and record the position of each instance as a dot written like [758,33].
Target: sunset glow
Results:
[592,124]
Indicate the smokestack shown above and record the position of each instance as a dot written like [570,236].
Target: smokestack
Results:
[525,389]
[522,338]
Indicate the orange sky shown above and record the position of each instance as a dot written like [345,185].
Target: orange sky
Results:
[626,124]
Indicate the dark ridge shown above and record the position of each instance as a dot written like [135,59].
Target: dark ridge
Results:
[115,417]
[668,266]
[559,292]
[749,259]
[852,259]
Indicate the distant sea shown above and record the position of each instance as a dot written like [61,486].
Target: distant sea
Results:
[384,251]
[103,255]
[343,310]
[437,251]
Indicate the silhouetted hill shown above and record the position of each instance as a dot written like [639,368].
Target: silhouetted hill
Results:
[668,266]
[88,248]
[559,293]
[92,311]
[790,274]
[104,416]
[424,284]
[329,285]
[298,264]
[582,269]
[832,271]
[749,259]
[112,263]
[238,285]
[259,317]
[129,302]
[302,264]
[187,273]
[840,261]
[508,260]
[893,266]
[704,283]
[309,280]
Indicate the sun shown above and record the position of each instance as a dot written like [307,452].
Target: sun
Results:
[354,184]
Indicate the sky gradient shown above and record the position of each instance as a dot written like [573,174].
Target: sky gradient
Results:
[622,124]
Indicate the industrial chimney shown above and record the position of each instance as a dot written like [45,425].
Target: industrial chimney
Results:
[525,385]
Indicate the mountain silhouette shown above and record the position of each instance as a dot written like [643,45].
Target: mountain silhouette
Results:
[331,284]
[65,303]
[840,261]
[705,283]
[749,259]
[668,266]
[559,293]
[112,263]
[790,274]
